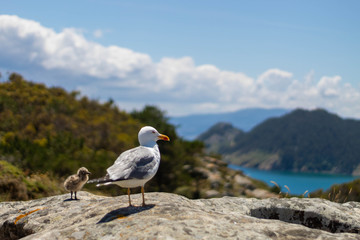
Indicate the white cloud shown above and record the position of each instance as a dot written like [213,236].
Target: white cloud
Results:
[67,50]
[275,80]
[176,84]
[98,33]
[329,86]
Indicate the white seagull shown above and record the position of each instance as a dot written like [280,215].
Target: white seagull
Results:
[136,166]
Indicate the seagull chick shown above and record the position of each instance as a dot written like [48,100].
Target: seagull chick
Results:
[136,166]
[75,182]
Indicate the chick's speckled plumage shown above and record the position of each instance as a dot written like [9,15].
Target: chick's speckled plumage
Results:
[75,182]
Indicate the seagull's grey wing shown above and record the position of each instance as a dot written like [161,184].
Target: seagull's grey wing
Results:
[134,163]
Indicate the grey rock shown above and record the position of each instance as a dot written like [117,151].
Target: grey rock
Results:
[170,216]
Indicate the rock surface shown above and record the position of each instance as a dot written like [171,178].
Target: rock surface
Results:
[170,216]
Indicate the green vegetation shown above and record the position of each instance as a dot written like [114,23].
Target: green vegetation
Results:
[301,141]
[341,192]
[51,133]
[15,185]
[49,130]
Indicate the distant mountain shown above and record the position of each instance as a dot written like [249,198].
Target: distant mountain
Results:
[220,136]
[300,141]
[192,126]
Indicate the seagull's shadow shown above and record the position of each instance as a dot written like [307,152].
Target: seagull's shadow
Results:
[71,199]
[123,213]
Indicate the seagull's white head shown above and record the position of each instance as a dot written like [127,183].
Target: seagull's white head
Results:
[148,136]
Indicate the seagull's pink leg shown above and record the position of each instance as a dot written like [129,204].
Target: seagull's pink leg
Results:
[128,192]
[143,196]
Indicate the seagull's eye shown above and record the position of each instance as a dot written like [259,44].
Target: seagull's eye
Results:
[153,131]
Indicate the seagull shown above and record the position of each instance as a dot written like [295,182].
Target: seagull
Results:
[136,166]
[75,182]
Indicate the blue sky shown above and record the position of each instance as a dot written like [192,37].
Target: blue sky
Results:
[190,56]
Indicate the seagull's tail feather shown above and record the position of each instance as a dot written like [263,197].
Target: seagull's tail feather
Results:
[101,181]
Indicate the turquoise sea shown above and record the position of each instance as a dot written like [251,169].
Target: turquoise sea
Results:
[298,183]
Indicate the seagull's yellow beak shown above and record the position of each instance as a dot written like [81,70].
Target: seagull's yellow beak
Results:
[163,137]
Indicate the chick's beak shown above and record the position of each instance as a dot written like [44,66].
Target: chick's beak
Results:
[163,137]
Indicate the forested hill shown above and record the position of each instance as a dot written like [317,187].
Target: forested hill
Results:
[52,131]
[48,129]
[305,141]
